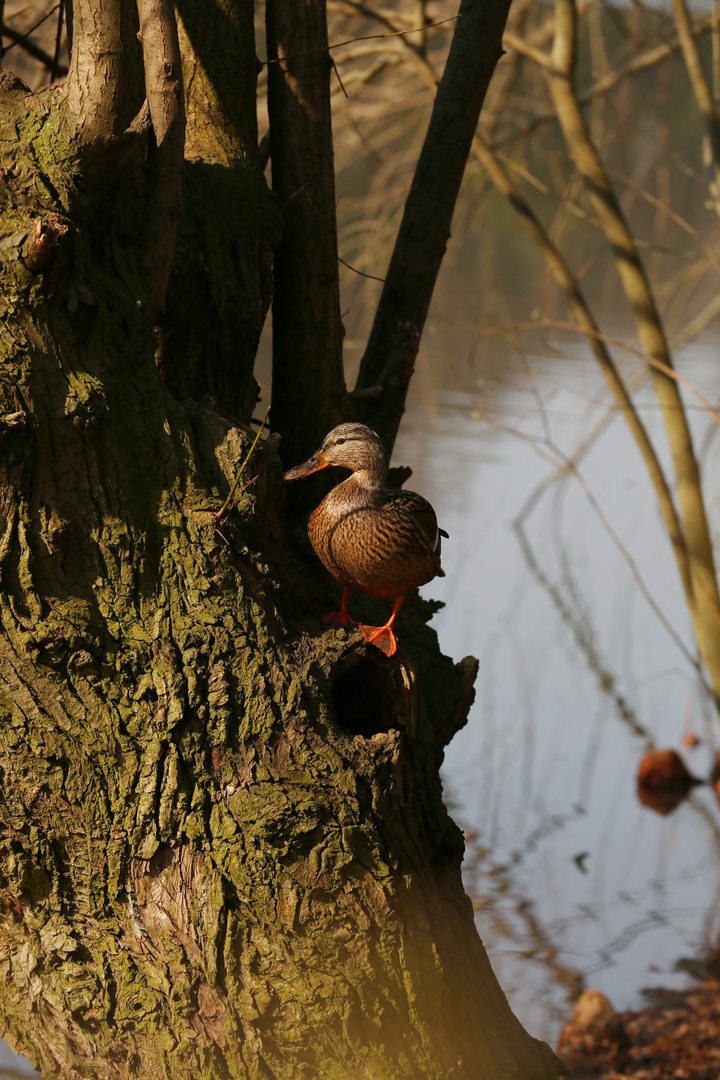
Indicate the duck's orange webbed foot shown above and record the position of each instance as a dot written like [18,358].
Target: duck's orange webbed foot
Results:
[342,617]
[381,637]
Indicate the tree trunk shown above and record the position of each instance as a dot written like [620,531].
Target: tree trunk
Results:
[308,379]
[223,847]
[222,277]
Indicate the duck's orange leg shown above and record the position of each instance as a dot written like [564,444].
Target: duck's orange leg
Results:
[382,636]
[342,615]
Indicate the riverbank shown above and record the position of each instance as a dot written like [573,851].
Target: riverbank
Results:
[676,1036]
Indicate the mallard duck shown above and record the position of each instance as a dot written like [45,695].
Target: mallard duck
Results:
[373,539]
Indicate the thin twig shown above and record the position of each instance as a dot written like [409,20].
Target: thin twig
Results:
[20,39]
[698,323]
[239,493]
[29,47]
[361,272]
[335,69]
[586,325]
[238,478]
[556,324]
[549,450]
[352,41]
[603,86]
[704,596]
[518,44]
[701,89]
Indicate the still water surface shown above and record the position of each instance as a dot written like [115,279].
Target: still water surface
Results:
[575,883]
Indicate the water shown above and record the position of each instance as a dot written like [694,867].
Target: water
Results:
[575,884]
[12,1065]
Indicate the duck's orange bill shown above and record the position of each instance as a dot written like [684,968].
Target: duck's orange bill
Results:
[314,464]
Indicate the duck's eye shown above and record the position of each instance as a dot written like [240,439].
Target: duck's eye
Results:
[339,442]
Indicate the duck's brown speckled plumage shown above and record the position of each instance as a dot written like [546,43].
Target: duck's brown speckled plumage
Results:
[373,539]
[376,541]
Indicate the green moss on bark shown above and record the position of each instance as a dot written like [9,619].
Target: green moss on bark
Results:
[206,869]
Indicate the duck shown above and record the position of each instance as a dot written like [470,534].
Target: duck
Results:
[373,539]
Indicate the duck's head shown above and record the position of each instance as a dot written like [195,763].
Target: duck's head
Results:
[352,446]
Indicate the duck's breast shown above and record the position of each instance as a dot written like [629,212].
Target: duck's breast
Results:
[382,545]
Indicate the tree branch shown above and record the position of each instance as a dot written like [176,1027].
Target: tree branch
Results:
[165,98]
[701,90]
[104,87]
[55,67]
[520,45]
[587,325]
[425,228]
[652,56]
[308,386]
[26,43]
[703,600]
[697,324]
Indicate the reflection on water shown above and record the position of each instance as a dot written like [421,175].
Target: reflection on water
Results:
[575,884]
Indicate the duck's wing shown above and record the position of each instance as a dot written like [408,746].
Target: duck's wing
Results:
[413,510]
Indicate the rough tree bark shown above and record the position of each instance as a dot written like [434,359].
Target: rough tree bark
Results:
[223,847]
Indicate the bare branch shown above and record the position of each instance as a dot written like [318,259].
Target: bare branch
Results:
[606,339]
[707,250]
[28,45]
[104,88]
[520,45]
[308,387]
[389,21]
[425,228]
[698,323]
[701,90]
[55,68]
[703,600]
[165,98]
[569,467]
[351,7]
[587,326]
[642,62]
